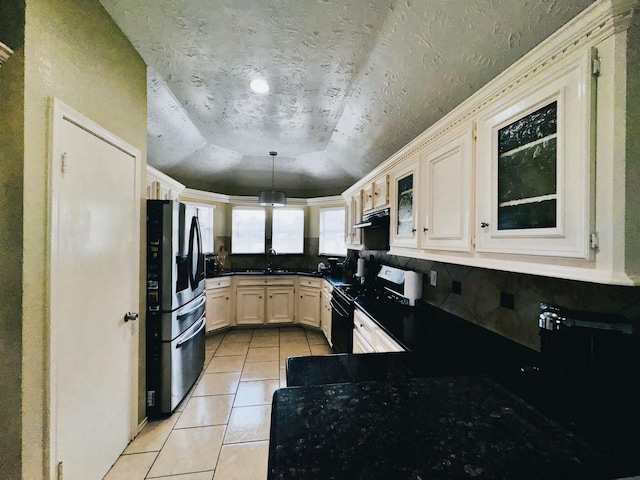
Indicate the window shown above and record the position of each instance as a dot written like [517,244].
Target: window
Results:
[288,230]
[332,223]
[247,230]
[205,217]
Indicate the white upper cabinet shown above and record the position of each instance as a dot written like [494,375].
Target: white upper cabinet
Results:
[537,172]
[446,192]
[375,195]
[534,165]
[404,225]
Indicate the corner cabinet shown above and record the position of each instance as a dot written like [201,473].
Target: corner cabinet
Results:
[219,311]
[309,293]
[446,192]
[403,205]
[534,166]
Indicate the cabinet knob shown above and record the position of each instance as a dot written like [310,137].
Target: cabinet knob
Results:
[413,230]
[270,296]
[484,225]
[425,229]
[226,298]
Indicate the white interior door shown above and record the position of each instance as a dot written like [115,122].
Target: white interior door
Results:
[94,283]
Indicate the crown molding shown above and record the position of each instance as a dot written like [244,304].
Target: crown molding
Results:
[190,194]
[153,174]
[5,52]
[597,22]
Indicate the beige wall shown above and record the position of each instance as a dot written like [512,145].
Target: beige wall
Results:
[74,52]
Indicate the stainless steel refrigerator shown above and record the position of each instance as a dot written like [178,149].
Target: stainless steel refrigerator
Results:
[176,320]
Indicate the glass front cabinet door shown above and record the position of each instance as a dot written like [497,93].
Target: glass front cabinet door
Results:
[534,165]
[403,211]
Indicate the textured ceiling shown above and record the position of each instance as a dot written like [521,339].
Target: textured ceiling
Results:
[352,81]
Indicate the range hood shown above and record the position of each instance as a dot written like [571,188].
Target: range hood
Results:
[379,219]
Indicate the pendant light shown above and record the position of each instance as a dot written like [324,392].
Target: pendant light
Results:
[273,198]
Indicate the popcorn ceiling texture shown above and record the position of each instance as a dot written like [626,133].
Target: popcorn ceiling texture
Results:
[351,81]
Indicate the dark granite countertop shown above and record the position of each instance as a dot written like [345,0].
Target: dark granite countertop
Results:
[426,428]
[278,271]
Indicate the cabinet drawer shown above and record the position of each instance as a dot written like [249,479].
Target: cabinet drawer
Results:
[364,326]
[310,282]
[266,280]
[384,343]
[327,287]
[218,282]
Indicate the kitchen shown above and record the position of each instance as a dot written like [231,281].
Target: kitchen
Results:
[481,288]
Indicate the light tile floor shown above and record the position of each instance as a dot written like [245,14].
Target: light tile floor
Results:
[220,431]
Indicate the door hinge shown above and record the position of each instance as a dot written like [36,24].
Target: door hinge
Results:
[63,166]
[594,241]
[596,64]
[59,471]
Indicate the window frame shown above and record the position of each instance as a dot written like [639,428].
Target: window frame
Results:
[322,230]
[237,208]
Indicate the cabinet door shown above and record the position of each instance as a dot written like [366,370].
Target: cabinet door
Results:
[280,304]
[403,210]
[218,308]
[446,185]
[250,305]
[360,345]
[381,192]
[534,167]
[354,216]
[367,198]
[309,307]
[325,317]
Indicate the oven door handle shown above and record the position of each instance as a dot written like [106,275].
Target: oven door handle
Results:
[341,311]
[197,328]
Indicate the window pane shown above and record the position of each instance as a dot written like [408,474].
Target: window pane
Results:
[288,230]
[205,217]
[247,230]
[332,221]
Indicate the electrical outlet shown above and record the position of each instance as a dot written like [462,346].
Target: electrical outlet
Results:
[433,278]
[507,300]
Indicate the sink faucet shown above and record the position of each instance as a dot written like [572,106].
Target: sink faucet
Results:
[270,252]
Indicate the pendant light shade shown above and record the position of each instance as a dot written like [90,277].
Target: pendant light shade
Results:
[273,198]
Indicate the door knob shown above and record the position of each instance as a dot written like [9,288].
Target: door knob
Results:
[130,316]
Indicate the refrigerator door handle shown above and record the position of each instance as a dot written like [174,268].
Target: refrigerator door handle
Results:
[192,308]
[197,328]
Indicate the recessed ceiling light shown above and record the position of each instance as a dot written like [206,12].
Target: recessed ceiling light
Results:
[259,85]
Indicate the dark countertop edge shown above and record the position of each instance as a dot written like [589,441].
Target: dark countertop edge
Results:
[302,272]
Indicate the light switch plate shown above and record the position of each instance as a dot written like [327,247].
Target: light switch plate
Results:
[433,278]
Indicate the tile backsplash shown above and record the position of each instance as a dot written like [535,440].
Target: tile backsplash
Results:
[307,261]
[481,291]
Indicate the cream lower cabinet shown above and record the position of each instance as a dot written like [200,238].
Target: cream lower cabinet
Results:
[368,337]
[325,311]
[219,311]
[261,300]
[309,295]
[280,304]
[250,305]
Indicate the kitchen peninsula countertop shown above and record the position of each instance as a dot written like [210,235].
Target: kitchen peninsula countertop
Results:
[424,428]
